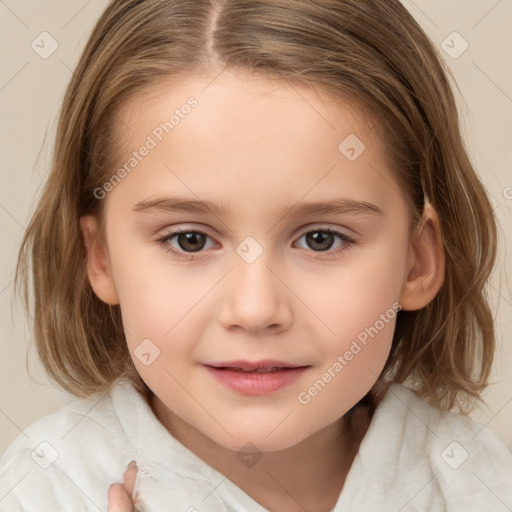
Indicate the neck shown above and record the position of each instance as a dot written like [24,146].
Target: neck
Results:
[309,475]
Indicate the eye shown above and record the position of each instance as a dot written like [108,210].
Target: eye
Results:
[183,242]
[322,240]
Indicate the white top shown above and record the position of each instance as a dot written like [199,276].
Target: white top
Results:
[413,458]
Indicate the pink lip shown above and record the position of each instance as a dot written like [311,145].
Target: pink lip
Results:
[256,383]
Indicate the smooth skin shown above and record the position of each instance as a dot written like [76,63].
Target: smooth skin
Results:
[258,150]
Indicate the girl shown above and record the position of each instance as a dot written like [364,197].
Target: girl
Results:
[261,221]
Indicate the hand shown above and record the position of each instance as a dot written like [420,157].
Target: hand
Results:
[120,495]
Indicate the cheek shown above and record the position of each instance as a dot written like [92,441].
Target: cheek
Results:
[162,330]
[359,305]
[352,359]
[353,296]
[344,380]
[157,305]
[155,295]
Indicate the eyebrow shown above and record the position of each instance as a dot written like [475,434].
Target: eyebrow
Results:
[180,205]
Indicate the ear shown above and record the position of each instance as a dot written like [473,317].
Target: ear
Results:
[98,265]
[426,263]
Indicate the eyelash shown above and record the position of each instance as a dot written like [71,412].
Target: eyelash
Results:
[347,243]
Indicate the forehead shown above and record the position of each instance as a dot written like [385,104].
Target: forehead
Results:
[262,135]
[238,101]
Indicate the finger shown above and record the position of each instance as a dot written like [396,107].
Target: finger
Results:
[119,500]
[129,477]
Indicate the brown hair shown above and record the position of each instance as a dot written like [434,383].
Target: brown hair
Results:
[369,51]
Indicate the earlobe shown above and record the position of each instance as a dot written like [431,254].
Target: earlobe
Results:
[426,263]
[98,266]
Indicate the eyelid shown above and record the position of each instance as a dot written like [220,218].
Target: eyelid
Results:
[186,227]
[321,226]
[168,234]
[347,240]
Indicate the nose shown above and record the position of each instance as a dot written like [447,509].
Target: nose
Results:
[254,299]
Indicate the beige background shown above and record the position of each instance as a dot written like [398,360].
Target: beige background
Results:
[31,90]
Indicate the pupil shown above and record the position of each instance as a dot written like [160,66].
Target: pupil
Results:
[320,240]
[191,242]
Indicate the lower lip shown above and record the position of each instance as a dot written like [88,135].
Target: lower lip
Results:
[257,384]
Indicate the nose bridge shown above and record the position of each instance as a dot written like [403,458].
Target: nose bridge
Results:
[254,298]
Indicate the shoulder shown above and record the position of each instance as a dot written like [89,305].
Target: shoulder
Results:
[464,463]
[53,462]
[436,427]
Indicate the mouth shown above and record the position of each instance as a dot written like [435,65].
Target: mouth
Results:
[266,366]
[256,378]
[256,370]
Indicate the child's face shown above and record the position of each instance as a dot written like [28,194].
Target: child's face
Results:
[258,288]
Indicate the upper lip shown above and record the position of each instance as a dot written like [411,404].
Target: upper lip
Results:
[254,365]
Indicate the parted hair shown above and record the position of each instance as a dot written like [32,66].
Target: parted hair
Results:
[370,52]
